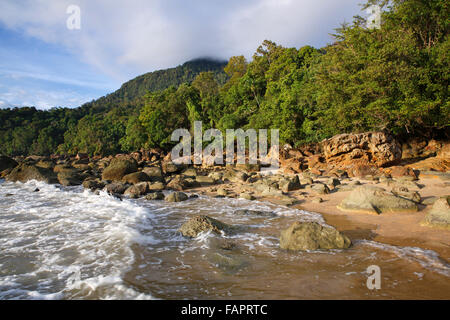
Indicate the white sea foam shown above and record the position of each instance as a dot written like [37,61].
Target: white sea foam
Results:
[59,241]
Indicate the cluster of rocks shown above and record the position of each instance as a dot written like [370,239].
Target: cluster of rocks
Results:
[338,164]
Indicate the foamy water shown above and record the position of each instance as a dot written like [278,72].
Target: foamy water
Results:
[68,243]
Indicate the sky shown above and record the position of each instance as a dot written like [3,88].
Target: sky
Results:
[45,62]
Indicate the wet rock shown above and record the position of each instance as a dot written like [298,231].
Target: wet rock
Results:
[180,183]
[222,192]
[135,177]
[439,214]
[190,172]
[7,163]
[285,200]
[201,223]
[204,180]
[93,184]
[46,164]
[156,186]
[371,199]
[227,262]
[154,173]
[235,176]
[266,189]
[70,177]
[176,197]
[155,196]
[118,168]
[170,167]
[246,196]
[216,175]
[116,188]
[312,236]
[137,190]
[24,173]
[245,212]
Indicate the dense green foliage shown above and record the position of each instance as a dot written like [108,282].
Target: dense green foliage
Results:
[393,78]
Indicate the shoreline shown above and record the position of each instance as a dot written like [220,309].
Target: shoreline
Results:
[403,229]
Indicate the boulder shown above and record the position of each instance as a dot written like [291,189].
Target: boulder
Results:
[170,167]
[180,183]
[235,176]
[116,188]
[222,192]
[320,188]
[118,168]
[93,184]
[46,164]
[201,223]
[135,177]
[204,180]
[190,172]
[176,197]
[24,173]
[137,190]
[288,185]
[155,196]
[371,199]
[379,148]
[7,163]
[156,186]
[312,236]
[154,173]
[439,214]
[70,177]
[246,196]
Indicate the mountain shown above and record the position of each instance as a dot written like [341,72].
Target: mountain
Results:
[158,80]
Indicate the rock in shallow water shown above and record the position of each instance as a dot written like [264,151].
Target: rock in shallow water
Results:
[312,236]
[24,173]
[176,197]
[202,223]
[155,196]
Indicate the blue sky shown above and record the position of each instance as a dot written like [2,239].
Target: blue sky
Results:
[44,64]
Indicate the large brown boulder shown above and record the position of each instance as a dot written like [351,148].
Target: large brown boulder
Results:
[312,236]
[371,199]
[24,173]
[119,167]
[378,148]
[200,224]
[7,163]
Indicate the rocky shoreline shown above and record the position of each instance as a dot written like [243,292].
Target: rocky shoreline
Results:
[368,186]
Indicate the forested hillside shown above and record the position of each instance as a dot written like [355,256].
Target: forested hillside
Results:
[393,78]
[97,126]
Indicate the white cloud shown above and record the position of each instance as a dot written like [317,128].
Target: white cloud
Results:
[126,38]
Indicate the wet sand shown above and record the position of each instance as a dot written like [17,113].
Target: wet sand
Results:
[399,229]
